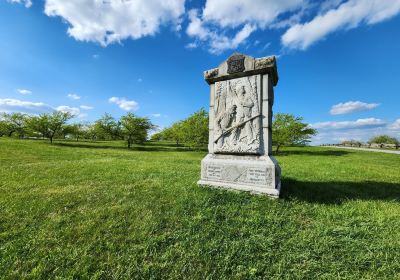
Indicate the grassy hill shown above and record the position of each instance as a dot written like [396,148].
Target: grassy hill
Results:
[98,210]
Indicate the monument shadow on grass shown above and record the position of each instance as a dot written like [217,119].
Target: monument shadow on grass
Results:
[336,192]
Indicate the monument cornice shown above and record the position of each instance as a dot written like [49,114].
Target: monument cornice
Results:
[239,65]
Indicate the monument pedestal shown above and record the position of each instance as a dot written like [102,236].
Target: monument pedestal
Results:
[240,126]
[257,174]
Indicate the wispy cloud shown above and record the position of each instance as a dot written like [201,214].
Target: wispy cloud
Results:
[26,3]
[218,42]
[348,15]
[351,107]
[360,123]
[395,125]
[9,105]
[85,107]
[73,96]
[361,130]
[156,115]
[67,109]
[24,91]
[127,105]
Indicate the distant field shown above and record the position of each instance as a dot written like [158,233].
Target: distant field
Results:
[97,210]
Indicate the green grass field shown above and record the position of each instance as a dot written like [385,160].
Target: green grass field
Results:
[79,210]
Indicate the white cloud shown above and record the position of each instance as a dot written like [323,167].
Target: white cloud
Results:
[156,115]
[347,16]
[234,13]
[73,96]
[27,3]
[85,107]
[359,134]
[9,105]
[237,16]
[351,107]
[72,110]
[192,45]
[360,123]
[360,130]
[266,46]
[127,105]
[24,91]
[217,42]
[111,21]
[395,125]
[222,43]
[195,27]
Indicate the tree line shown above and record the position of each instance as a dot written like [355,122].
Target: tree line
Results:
[132,128]
[379,140]
[193,131]
[287,130]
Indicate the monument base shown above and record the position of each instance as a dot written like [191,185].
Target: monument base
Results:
[256,174]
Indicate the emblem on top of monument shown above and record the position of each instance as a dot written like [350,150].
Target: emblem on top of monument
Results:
[236,63]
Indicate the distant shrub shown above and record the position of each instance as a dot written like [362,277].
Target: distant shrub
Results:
[352,143]
[383,139]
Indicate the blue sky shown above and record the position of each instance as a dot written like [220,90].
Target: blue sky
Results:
[337,59]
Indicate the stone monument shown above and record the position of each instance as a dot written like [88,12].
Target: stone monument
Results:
[240,140]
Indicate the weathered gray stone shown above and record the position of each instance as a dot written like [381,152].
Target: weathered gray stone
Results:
[240,144]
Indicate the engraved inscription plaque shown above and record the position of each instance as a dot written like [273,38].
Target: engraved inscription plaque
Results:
[214,172]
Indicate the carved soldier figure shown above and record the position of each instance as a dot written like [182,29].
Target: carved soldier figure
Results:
[247,105]
[225,121]
[220,99]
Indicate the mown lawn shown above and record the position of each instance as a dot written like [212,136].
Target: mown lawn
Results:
[97,210]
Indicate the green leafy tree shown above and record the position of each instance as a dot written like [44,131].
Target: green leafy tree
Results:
[108,127]
[192,130]
[172,133]
[290,130]
[38,125]
[3,127]
[195,128]
[135,129]
[175,133]
[67,129]
[383,139]
[90,131]
[49,125]
[14,123]
[155,137]
[75,130]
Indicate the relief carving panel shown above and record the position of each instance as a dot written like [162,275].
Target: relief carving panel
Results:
[237,116]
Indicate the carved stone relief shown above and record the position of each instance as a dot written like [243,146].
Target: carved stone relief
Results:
[211,73]
[237,116]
